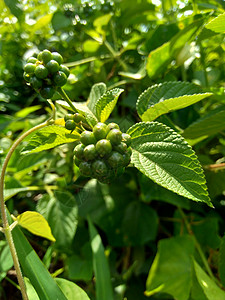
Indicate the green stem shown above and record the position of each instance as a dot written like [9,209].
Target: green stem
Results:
[67,99]
[115,55]
[6,227]
[198,247]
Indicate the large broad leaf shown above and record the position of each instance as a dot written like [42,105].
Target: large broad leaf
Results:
[36,224]
[160,57]
[71,290]
[50,137]
[101,268]
[60,210]
[106,104]
[217,24]
[97,91]
[82,108]
[168,96]
[171,270]
[165,157]
[210,289]
[210,124]
[34,269]
[222,261]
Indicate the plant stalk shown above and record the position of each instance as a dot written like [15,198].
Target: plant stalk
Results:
[6,227]
[67,99]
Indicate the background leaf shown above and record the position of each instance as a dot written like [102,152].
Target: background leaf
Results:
[168,96]
[71,290]
[97,91]
[163,155]
[217,24]
[50,137]
[222,261]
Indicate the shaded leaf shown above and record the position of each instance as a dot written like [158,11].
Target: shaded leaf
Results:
[165,157]
[222,261]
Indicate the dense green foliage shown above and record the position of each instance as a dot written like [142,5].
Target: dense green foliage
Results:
[144,75]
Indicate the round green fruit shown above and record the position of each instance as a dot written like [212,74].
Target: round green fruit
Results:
[126,159]
[85,168]
[115,160]
[60,79]
[26,77]
[87,138]
[39,57]
[29,68]
[46,56]
[79,151]
[41,72]
[126,138]
[99,168]
[56,56]
[68,117]
[47,92]
[65,70]
[77,117]
[114,136]
[112,125]
[90,152]
[32,60]
[52,66]
[100,131]
[70,125]
[103,147]
[121,148]
[35,82]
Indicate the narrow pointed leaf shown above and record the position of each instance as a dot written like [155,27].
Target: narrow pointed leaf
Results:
[50,137]
[106,104]
[101,268]
[168,96]
[36,224]
[165,157]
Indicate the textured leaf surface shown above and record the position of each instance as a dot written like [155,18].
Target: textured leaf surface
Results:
[163,98]
[101,268]
[171,270]
[217,24]
[36,224]
[50,137]
[97,91]
[106,104]
[165,157]
[210,289]
[60,211]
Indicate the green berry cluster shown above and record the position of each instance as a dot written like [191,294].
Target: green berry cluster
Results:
[103,153]
[72,121]
[46,72]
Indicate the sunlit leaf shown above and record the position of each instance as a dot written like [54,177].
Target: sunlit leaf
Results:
[217,24]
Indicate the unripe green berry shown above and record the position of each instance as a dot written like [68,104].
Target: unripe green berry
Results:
[52,66]
[100,131]
[41,72]
[103,147]
[126,159]
[35,82]
[126,138]
[46,56]
[99,168]
[68,117]
[70,125]
[47,92]
[87,138]
[79,151]
[32,60]
[39,56]
[77,117]
[56,56]
[60,79]
[85,168]
[112,125]
[90,152]
[29,68]
[115,160]
[121,148]
[26,77]
[114,136]
[65,70]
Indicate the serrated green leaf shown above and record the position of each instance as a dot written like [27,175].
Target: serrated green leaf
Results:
[222,261]
[159,58]
[60,210]
[50,137]
[168,96]
[36,224]
[97,91]
[106,104]
[217,24]
[172,268]
[210,289]
[101,268]
[82,108]
[208,125]
[165,157]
